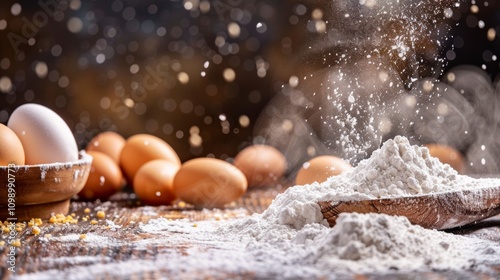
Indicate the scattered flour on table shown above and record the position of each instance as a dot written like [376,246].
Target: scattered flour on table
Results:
[89,238]
[292,240]
[111,225]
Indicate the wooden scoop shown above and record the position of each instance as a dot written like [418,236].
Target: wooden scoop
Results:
[436,211]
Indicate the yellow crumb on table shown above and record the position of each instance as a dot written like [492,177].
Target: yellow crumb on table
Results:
[94,222]
[2,243]
[100,214]
[61,219]
[35,230]
[16,243]
[182,204]
[86,211]
[35,222]
[48,235]
[83,236]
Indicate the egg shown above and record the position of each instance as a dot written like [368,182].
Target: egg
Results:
[109,142]
[153,182]
[209,182]
[321,168]
[105,177]
[448,155]
[45,136]
[262,165]
[141,148]
[11,148]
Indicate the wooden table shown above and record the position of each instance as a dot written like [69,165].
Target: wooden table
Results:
[40,254]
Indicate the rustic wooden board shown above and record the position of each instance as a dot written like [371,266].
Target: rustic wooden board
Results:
[35,255]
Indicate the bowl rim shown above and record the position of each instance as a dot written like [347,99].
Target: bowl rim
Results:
[83,159]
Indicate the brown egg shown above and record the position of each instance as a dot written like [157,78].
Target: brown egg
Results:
[448,155]
[209,182]
[153,182]
[105,177]
[262,165]
[321,168]
[142,148]
[11,148]
[109,142]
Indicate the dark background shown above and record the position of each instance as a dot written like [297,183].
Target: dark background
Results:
[165,39]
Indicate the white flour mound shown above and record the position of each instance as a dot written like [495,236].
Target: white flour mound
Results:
[396,169]
[367,242]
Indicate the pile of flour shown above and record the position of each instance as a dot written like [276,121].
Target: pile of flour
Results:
[293,225]
[396,169]
[367,243]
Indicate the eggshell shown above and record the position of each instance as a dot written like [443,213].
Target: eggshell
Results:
[321,168]
[448,155]
[45,136]
[109,142]
[11,148]
[141,148]
[209,182]
[105,177]
[262,165]
[153,182]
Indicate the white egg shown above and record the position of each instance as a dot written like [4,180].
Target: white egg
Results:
[45,136]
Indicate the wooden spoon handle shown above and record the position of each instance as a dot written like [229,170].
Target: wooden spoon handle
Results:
[437,211]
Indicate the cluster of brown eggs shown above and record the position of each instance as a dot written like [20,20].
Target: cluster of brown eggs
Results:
[155,172]
[157,176]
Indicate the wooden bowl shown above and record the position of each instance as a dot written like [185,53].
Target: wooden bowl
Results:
[45,188]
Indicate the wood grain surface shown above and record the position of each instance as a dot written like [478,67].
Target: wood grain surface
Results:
[37,253]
